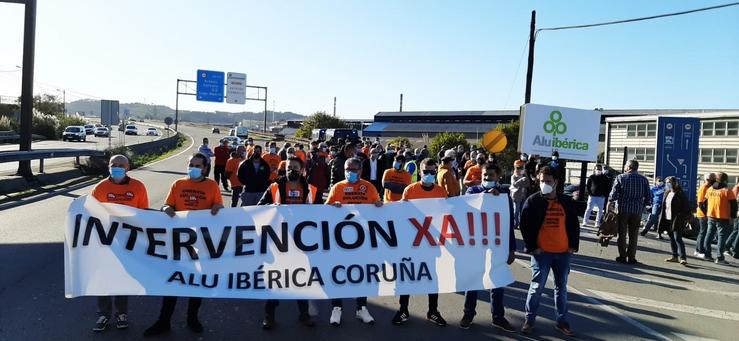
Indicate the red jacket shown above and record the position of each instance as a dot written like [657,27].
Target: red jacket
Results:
[222,155]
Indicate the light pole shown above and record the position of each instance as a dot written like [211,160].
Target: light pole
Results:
[64,99]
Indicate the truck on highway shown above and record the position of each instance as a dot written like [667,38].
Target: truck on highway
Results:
[241,132]
[350,135]
[318,135]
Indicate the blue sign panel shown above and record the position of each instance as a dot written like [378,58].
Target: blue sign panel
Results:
[210,86]
[677,151]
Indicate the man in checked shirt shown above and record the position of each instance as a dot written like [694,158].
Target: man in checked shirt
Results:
[630,194]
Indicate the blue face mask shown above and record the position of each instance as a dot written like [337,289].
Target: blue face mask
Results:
[668,186]
[194,173]
[489,184]
[352,176]
[429,178]
[117,172]
[397,165]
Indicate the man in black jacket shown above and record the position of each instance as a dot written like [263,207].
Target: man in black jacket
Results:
[347,152]
[254,174]
[598,187]
[551,234]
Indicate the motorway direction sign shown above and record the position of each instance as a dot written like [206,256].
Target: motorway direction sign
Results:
[210,86]
[236,88]
[109,112]
[677,151]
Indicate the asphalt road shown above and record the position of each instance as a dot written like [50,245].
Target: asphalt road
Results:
[95,143]
[608,301]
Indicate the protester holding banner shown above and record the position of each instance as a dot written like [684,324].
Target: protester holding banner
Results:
[491,184]
[352,190]
[395,180]
[232,170]
[551,233]
[254,174]
[426,188]
[118,188]
[290,189]
[194,192]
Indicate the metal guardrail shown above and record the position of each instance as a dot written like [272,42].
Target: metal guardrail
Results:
[47,154]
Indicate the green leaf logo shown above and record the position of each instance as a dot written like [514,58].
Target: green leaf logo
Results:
[555,126]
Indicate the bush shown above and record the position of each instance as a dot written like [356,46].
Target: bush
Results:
[319,120]
[66,121]
[7,123]
[510,154]
[400,141]
[44,125]
[447,140]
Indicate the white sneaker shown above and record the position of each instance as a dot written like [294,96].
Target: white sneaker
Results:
[312,308]
[364,315]
[335,317]
[697,254]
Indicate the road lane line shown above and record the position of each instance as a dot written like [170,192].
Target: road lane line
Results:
[720,314]
[688,337]
[192,143]
[607,308]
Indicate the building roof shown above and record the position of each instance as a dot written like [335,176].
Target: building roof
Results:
[447,113]
[378,128]
[723,113]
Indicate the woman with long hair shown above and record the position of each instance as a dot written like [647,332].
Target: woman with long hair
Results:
[674,217]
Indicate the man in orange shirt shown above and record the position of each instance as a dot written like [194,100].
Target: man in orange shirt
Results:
[118,188]
[709,179]
[299,152]
[249,147]
[551,233]
[426,188]
[720,207]
[474,173]
[194,192]
[395,180]
[352,190]
[272,159]
[447,177]
[232,170]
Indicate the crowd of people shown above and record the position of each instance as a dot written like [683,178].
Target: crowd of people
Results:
[370,173]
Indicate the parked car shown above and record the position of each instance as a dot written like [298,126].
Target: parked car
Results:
[131,130]
[74,133]
[89,129]
[152,132]
[216,130]
[233,141]
[121,127]
[102,132]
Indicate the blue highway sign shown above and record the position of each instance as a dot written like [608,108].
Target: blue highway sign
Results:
[210,86]
[677,151]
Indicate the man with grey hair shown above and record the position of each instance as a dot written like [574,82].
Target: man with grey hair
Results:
[118,188]
[630,194]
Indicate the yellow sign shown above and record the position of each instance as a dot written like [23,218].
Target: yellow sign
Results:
[494,141]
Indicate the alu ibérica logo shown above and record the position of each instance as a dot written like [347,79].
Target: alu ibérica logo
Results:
[555,126]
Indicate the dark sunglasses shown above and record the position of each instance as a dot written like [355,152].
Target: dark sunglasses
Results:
[427,172]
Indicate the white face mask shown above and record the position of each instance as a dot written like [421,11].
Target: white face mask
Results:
[546,188]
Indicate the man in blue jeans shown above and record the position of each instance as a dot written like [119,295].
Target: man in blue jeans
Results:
[490,184]
[551,234]
[658,193]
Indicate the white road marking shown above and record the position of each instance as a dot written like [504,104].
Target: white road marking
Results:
[720,314]
[192,143]
[649,331]
[688,337]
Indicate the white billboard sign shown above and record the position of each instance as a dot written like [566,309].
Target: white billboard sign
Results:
[236,88]
[571,132]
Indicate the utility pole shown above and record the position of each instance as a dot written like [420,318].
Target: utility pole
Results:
[334,106]
[530,69]
[29,42]
[401,102]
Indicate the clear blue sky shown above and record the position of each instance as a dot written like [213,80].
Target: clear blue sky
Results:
[443,55]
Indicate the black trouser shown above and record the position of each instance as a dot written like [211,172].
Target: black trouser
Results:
[269,307]
[433,302]
[235,195]
[361,302]
[105,305]
[219,174]
[169,302]
[628,225]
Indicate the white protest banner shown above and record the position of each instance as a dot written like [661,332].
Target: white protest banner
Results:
[289,251]
[572,132]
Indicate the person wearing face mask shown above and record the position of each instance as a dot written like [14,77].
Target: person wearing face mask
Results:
[121,189]
[474,173]
[205,150]
[352,190]
[273,160]
[720,207]
[300,153]
[222,153]
[254,173]
[232,170]
[560,168]
[283,151]
[395,180]
[387,158]
[194,192]
[290,189]
[491,185]
[631,193]
[318,172]
[337,167]
[658,193]
[447,178]
[425,188]
[520,183]
[598,186]
[249,147]
[282,167]
[709,180]
[372,169]
[674,216]
[551,234]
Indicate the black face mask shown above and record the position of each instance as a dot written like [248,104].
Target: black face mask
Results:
[293,175]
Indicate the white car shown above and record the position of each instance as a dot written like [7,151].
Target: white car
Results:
[102,132]
[233,141]
[131,130]
[74,133]
[89,129]
[152,132]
